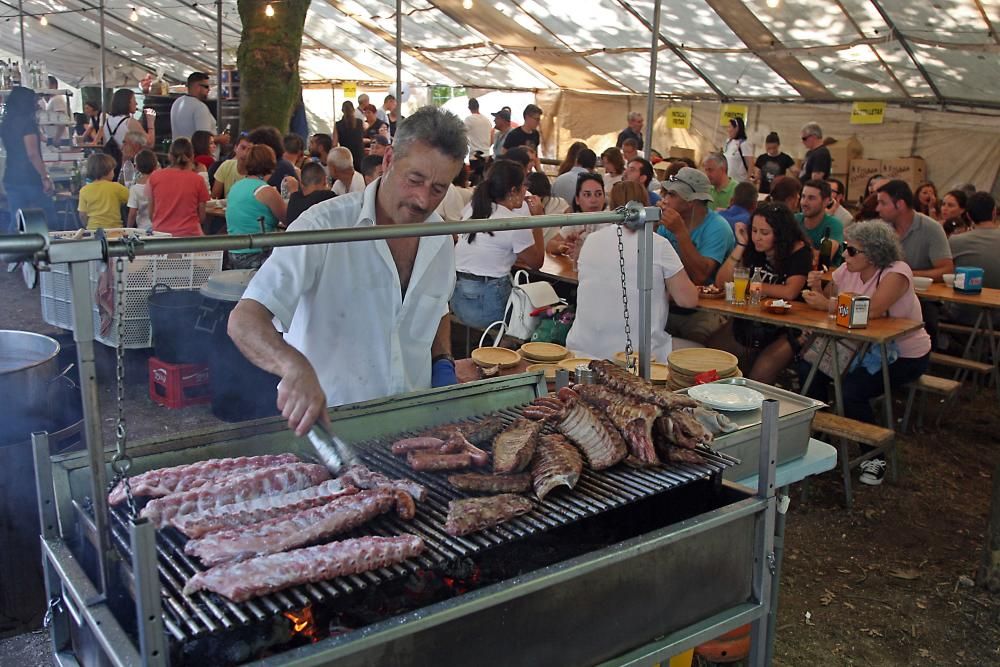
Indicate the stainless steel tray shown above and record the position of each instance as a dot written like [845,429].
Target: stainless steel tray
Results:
[795,413]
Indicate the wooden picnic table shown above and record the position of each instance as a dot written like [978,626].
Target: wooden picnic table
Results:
[879,332]
[986,301]
[557,267]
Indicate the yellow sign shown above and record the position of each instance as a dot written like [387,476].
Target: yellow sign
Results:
[350,89]
[867,113]
[678,118]
[731,111]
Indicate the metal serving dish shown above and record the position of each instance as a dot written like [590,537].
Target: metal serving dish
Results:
[795,413]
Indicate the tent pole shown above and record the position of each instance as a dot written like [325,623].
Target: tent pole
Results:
[20,15]
[399,52]
[104,99]
[651,98]
[218,67]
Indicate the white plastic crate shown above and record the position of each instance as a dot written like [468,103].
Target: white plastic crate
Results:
[188,271]
[55,286]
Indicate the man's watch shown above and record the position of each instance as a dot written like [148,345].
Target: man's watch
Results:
[438,357]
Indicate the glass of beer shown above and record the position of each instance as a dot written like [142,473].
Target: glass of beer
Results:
[741,278]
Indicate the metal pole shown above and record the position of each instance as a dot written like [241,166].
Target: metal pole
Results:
[152,641]
[399,52]
[764,565]
[104,101]
[651,97]
[218,67]
[645,281]
[20,12]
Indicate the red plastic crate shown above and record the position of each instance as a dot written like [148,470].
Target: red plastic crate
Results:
[178,385]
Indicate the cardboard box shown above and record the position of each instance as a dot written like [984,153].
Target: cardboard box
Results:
[678,151]
[858,174]
[843,152]
[912,170]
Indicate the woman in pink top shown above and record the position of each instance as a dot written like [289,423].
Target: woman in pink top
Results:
[177,194]
[873,266]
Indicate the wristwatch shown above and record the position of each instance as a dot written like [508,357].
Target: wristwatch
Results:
[438,357]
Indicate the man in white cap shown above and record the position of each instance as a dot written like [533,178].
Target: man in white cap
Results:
[502,127]
[701,237]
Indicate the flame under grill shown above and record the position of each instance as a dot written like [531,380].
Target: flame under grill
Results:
[204,613]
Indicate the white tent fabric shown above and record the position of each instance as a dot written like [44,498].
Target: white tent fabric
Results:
[940,53]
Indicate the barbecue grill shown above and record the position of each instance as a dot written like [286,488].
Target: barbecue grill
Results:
[685,562]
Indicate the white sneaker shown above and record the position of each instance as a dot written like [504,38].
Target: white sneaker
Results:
[872,472]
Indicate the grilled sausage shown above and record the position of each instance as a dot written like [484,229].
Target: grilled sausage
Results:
[538,412]
[406,509]
[567,394]
[549,402]
[407,445]
[425,461]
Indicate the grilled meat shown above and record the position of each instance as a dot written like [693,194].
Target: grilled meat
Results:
[681,455]
[715,422]
[427,461]
[633,419]
[622,381]
[481,483]
[291,531]
[260,509]
[363,478]
[682,429]
[407,445]
[557,463]
[468,515]
[514,447]
[479,433]
[164,481]
[229,490]
[266,574]
[594,434]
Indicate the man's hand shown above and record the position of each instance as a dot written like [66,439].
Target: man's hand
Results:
[301,398]
[815,280]
[672,220]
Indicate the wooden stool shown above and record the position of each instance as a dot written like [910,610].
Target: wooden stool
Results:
[929,384]
[846,430]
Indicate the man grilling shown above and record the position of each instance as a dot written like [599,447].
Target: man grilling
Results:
[366,319]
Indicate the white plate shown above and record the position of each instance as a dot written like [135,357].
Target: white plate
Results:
[727,396]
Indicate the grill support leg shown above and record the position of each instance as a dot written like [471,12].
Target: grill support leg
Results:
[56,615]
[149,615]
[765,565]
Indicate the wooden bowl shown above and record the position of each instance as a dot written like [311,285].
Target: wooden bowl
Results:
[549,370]
[571,364]
[495,356]
[692,361]
[545,352]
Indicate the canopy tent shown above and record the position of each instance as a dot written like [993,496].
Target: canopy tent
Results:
[939,53]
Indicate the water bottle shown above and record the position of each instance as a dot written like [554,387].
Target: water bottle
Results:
[756,286]
[285,193]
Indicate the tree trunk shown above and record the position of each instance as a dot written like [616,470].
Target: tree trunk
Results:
[989,569]
[268,61]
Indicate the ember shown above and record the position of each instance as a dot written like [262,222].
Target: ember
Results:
[303,624]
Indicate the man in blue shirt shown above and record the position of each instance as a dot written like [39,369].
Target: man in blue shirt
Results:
[701,237]
[640,170]
[742,206]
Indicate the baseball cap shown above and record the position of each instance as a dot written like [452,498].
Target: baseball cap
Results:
[380,139]
[503,113]
[689,184]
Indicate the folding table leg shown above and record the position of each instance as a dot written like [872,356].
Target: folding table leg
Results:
[886,385]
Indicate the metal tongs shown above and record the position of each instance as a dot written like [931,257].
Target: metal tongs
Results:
[333,452]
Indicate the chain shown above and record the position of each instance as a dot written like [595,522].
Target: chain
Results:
[55,605]
[629,357]
[121,462]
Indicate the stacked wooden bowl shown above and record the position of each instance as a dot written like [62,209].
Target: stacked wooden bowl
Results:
[685,365]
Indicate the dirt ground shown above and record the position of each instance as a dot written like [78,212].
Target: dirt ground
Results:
[888,583]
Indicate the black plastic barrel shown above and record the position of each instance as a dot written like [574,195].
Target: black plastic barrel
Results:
[240,390]
[172,317]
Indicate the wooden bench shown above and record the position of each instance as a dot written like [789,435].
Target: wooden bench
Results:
[964,329]
[962,366]
[844,430]
[929,384]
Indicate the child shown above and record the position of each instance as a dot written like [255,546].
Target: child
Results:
[138,198]
[102,199]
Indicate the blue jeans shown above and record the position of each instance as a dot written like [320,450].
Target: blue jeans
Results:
[480,302]
[27,196]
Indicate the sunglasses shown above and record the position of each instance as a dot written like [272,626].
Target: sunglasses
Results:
[852,251]
[805,137]
[674,179]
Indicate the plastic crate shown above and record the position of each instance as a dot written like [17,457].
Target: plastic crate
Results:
[185,271]
[55,286]
[178,385]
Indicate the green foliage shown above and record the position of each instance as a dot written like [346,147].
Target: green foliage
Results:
[268,60]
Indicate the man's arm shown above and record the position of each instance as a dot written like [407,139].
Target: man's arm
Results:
[940,255]
[936,273]
[300,395]
[442,363]
[698,267]
[442,339]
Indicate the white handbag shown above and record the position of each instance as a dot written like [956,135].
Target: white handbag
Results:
[524,298]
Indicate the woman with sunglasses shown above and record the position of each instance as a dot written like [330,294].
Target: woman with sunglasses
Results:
[483,260]
[873,266]
[589,198]
[776,246]
[595,332]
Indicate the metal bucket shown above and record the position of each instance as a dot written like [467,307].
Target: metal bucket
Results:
[28,364]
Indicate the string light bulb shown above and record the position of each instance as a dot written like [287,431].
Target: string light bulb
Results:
[269,10]
[43,20]
[773,4]
[467,4]
[134,16]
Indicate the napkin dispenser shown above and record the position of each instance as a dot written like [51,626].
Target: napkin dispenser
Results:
[852,310]
[969,279]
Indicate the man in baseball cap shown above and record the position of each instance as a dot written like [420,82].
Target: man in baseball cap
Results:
[701,237]
[501,125]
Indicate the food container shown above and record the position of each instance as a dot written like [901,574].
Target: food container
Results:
[778,307]
[969,279]
[852,310]
[795,415]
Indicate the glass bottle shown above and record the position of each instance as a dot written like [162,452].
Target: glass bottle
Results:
[826,251]
[756,286]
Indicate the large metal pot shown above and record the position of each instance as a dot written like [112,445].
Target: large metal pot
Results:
[28,364]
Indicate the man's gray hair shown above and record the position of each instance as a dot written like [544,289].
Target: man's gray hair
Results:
[340,158]
[439,129]
[877,240]
[718,159]
[812,129]
[634,115]
[136,137]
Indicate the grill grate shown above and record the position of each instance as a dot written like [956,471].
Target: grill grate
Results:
[205,613]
